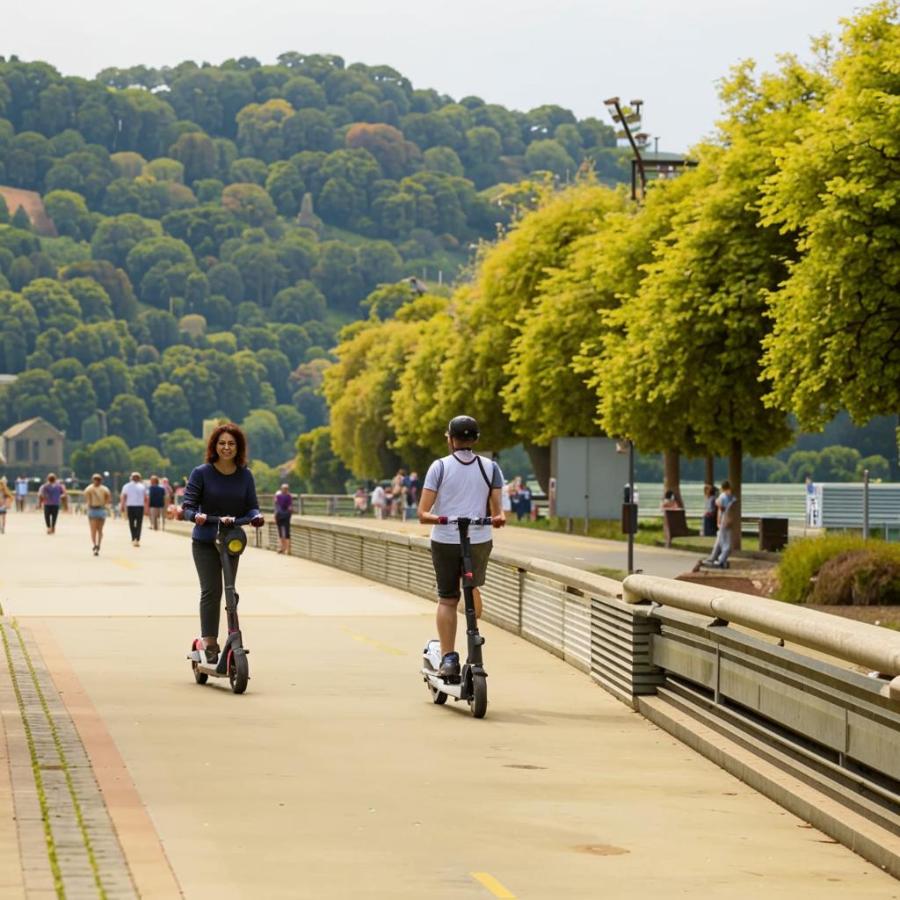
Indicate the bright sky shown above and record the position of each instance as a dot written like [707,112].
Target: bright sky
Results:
[520,53]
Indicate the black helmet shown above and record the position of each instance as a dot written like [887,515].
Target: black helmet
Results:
[463,427]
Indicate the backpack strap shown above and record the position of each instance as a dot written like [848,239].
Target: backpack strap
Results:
[440,477]
[487,481]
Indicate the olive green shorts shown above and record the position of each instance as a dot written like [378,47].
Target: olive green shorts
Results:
[448,567]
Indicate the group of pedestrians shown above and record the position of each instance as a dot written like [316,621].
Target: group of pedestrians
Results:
[516,498]
[136,500]
[398,500]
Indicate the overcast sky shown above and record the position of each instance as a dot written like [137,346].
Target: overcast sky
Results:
[521,54]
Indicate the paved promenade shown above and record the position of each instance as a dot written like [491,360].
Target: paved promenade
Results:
[334,776]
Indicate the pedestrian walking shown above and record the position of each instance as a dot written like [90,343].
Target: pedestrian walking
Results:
[132,503]
[379,500]
[709,510]
[284,509]
[523,504]
[50,495]
[398,490]
[156,502]
[97,499]
[21,493]
[726,504]
[223,486]
[360,501]
[812,505]
[5,496]
[412,489]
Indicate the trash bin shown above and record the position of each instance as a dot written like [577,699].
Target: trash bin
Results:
[773,533]
[629,518]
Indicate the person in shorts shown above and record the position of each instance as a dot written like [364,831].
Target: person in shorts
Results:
[284,509]
[5,496]
[97,498]
[459,484]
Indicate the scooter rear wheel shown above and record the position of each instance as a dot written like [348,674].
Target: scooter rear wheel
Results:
[478,703]
[238,672]
[199,677]
[437,697]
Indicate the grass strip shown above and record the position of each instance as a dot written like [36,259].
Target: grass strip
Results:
[64,763]
[36,771]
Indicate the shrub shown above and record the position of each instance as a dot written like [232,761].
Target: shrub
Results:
[846,569]
[858,578]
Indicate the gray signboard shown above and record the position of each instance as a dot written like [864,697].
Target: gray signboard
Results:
[588,477]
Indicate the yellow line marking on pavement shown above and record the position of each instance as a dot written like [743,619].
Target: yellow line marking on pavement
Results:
[125,563]
[378,645]
[498,890]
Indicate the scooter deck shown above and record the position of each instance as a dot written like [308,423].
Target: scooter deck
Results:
[438,683]
[205,668]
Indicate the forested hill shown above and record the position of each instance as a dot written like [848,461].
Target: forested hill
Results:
[216,225]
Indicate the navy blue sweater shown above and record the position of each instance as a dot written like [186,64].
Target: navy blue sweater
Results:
[209,491]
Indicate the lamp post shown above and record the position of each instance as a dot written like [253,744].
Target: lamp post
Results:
[627,117]
[629,507]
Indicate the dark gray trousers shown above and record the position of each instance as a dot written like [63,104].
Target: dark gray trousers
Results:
[209,571]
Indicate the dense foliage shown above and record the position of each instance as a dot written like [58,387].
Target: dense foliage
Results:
[216,225]
[761,284]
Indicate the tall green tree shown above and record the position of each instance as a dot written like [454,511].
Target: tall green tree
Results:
[836,337]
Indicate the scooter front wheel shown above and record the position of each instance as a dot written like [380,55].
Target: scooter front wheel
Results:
[238,672]
[478,703]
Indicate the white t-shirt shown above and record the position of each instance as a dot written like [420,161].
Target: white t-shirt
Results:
[461,491]
[133,493]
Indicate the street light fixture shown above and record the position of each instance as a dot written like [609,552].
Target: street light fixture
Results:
[631,116]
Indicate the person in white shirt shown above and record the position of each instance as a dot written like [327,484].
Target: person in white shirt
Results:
[133,503]
[468,485]
[379,499]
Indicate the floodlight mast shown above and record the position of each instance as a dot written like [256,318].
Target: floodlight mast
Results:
[615,109]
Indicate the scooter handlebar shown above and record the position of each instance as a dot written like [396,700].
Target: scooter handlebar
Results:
[256,521]
[456,520]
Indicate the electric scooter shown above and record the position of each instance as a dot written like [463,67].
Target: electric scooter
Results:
[471,684]
[231,540]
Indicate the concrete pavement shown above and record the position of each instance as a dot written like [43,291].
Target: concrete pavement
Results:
[334,776]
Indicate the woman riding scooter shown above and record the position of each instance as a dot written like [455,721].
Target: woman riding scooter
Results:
[223,487]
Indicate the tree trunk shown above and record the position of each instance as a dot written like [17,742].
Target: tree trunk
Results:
[709,476]
[735,472]
[672,474]
[540,461]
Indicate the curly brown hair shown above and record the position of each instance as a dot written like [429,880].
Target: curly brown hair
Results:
[240,458]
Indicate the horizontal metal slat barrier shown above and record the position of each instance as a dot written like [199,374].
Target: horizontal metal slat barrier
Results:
[815,719]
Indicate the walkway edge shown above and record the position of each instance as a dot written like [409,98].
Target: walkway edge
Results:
[871,842]
[150,867]
[12,883]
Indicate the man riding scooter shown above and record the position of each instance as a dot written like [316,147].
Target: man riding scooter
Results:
[459,484]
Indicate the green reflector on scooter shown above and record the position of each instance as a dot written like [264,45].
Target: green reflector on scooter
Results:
[235,545]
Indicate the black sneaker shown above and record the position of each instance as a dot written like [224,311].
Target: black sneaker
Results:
[449,666]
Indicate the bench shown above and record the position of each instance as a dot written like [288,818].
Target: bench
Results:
[675,525]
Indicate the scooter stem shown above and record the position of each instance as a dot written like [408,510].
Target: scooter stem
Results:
[474,639]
